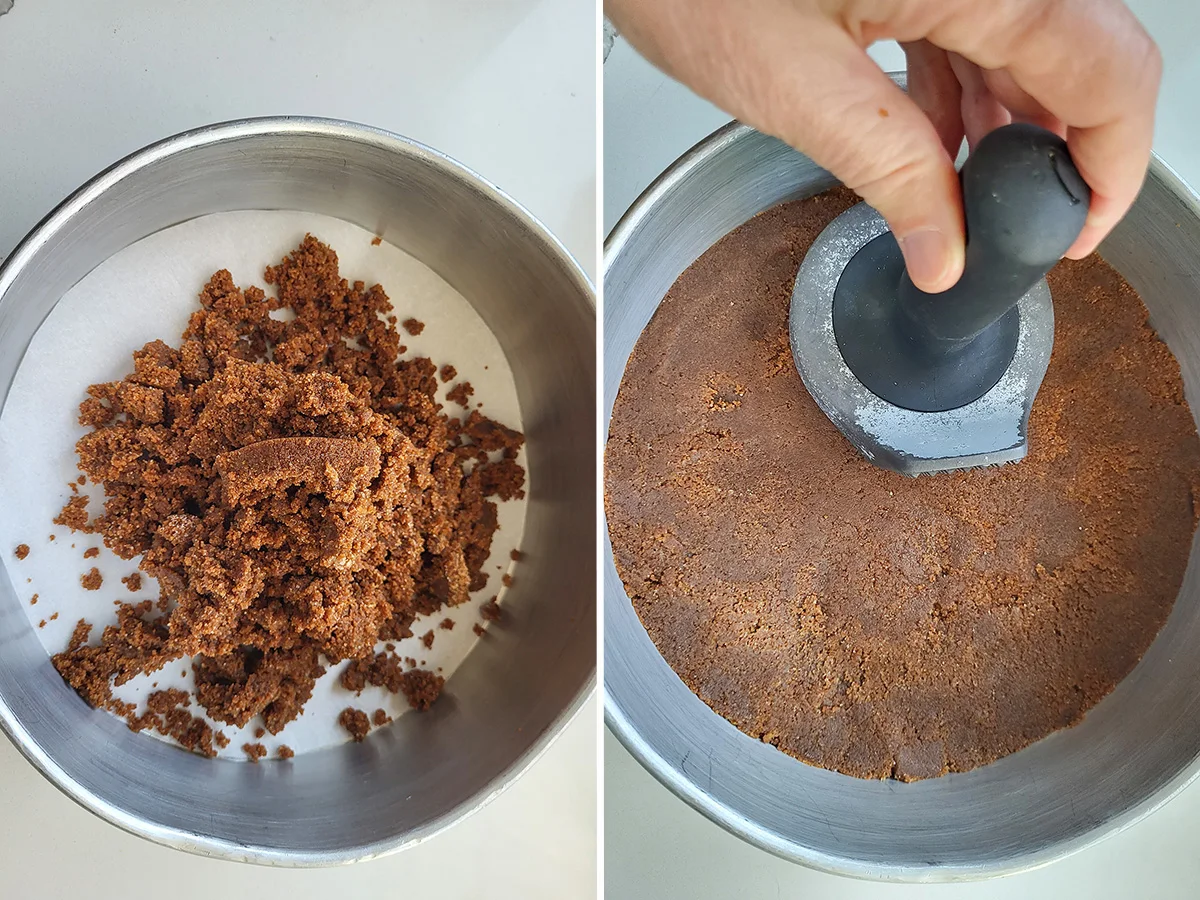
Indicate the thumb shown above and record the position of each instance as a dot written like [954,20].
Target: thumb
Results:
[853,120]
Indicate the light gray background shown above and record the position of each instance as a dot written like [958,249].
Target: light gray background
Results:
[507,87]
[655,846]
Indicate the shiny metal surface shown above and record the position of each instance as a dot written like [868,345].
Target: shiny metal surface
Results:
[988,431]
[516,690]
[1133,752]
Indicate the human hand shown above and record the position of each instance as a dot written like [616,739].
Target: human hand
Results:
[798,69]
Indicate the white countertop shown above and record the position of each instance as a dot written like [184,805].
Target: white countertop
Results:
[657,847]
[506,87]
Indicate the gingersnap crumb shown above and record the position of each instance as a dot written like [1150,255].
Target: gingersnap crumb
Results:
[293,486]
[479,630]
[446,625]
[254,752]
[506,580]
[22,551]
[52,537]
[74,515]
[355,721]
[285,752]
[259,732]
[53,617]
[413,327]
[376,241]
[410,662]
[380,718]
[422,688]
[82,479]
[448,373]
[220,739]
[74,487]
[33,600]
[92,580]
[516,555]
[490,611]
[91,552]
[42,624]
[461,393]
[389,647]
[427,639]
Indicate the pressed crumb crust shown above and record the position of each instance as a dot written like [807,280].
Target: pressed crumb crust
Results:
[874,624]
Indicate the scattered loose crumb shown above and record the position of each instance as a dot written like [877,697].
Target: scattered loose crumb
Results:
[491,611]
[74,487]
[389,647]
[446,625]
[427,639]
[506,580]
[516,555]
[449,373]
[82,479]
[254,752]
[479,629]
[133,582]
[91,552]
[285,752]
[74,515]
[421,688]
[52,537]
[92,580]
[53,617]
[461,393]
[33,600]
[413,327]
[380,718]
[221,740]
[22,551]
[259,732]
[410,662]
[376,241]
[355,721]
[42,624]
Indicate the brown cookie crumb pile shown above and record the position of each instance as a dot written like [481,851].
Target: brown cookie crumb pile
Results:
[293,486]
[92,580]
[285,752]
[22,551]
[380,718]
[254,752]
[874,624]
[355,721]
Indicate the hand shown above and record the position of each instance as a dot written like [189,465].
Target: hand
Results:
[798,69]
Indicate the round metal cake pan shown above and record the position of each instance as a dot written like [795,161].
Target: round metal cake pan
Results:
[516,691]
[1132,753]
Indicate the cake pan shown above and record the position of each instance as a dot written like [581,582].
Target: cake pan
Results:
[518,689]
[1132,753]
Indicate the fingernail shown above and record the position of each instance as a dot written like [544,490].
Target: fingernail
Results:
[927,256]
